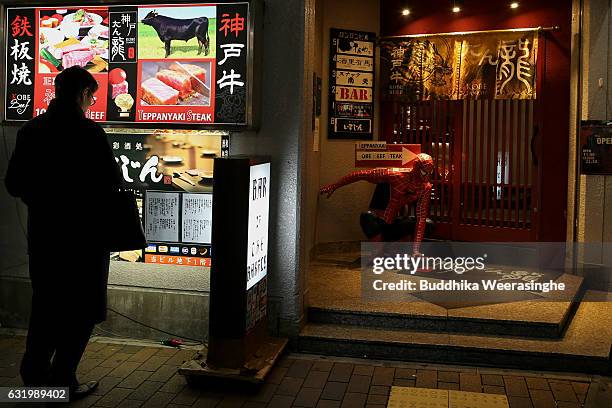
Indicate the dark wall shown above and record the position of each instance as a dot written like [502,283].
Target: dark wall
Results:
[435,16]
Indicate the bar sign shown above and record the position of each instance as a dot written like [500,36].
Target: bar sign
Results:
[351,85]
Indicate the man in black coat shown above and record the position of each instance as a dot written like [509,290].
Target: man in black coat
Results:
[64,170]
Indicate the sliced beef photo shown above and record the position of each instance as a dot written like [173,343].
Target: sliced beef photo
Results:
[77,58]
[119,88]
[70,48]
[180,82]
[155,92]
[197,74]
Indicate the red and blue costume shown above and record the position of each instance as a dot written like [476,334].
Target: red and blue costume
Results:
[406,186]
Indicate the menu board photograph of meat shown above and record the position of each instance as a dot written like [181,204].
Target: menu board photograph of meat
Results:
[69,37]
[166,63]
[175,83]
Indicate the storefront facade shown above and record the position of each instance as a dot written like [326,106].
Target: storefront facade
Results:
[531,191]
[570,36]
[294,75]
[175,298]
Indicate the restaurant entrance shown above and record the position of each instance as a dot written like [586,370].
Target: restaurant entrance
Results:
[485,158]
[501,163]
[500,159]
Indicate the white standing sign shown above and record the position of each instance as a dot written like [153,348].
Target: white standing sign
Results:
[259,210]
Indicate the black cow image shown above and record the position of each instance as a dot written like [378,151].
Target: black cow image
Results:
[169,29]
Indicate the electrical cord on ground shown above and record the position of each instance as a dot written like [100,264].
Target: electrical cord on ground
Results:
[122,336]
[117,335]
[197,342]
[100,331]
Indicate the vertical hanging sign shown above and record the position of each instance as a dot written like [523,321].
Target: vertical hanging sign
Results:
[231,64]
[122,64]
[21,49]
[257,239]
[351,84]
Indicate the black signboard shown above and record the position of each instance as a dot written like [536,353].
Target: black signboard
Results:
[122,58]
[351,84]
[20,51]
[596,147]
[188,64]
[238,281]
[231,84]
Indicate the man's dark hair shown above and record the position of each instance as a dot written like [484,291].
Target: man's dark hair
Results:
[71,82]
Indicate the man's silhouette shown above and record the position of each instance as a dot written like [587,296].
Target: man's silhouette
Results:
[64,171]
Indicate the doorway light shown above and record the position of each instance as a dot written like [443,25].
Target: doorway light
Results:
[457,4]
[405,7]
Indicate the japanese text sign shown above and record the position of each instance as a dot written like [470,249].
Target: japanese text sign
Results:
[187,63]
[381,154]
[259,209]
[471,66]
[351,84]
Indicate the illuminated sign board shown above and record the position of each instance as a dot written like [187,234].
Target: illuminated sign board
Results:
[238,280]
[171,175]
[259,210]
[183,64]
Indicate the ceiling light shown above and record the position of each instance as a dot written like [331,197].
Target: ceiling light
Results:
[514,5]
[405,7]
[457,5]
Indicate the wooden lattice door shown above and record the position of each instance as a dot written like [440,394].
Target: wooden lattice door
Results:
[484,185]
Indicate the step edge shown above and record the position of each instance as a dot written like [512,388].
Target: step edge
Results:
[439,318]
[599,358]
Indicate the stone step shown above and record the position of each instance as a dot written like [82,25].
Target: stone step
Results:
[336,298]
[551,328]
[585,346]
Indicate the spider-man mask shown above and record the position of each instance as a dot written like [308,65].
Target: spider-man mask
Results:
[423,165]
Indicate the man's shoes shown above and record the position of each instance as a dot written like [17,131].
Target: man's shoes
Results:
[82,390]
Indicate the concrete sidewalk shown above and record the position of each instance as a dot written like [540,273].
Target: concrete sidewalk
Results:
[145,375]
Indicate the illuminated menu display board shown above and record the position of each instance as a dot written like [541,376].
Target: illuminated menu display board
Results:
[184,64]
[351,84]
[171,173]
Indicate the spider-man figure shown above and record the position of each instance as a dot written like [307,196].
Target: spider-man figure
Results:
[406,186]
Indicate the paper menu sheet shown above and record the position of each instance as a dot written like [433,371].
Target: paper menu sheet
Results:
[197,218]
[162,216]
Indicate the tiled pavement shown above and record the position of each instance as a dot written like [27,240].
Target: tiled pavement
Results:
[145,376]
